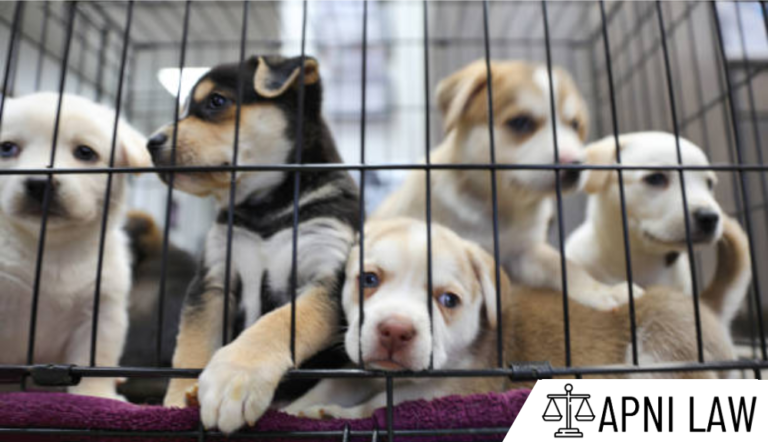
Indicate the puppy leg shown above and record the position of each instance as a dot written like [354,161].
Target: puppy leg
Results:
[111,332]
[541,268]
[238,384]
[199,337]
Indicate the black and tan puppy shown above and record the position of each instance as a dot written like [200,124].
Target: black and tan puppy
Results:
[240,379]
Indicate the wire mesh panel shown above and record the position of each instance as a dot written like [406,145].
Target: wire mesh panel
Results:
[694,69]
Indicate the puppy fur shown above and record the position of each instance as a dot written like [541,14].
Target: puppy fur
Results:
[462,337]
[523,133]
[67,283]
[655,216]
[240,379]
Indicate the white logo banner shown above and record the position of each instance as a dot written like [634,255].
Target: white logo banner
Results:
[636,409]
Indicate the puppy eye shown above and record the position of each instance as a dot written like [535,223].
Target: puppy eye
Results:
[370,280]
[449,300]
[217,101]
[9,150]
[656,180]
[575,125]
[85,153]
[710,184]
[522,124]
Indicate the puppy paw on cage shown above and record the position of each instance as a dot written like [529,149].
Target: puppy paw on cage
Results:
[366,214]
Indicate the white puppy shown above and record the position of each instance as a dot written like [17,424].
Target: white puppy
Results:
[396,335]
[69,266]
[655,217]
[523,133]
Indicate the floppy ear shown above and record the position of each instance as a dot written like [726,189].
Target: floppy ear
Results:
[455,93]
[601,152]
[133,145]
[484,268]
[274,75]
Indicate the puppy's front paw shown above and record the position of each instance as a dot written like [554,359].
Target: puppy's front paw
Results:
[98,387]
[235,389]
[178,393]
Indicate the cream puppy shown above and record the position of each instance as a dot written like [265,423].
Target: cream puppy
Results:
[69,266]
[523,133]
[395,332]
[655,216]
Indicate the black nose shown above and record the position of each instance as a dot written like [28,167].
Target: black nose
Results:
[35,188]
[156,142]
[706,220]
[569,177]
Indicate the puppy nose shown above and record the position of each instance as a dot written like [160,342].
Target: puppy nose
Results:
[569,177]
[395,333]
[706,220]
[35,188]
[156,142]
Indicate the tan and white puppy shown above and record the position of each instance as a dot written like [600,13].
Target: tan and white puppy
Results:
[69,266]
[523,134]
[396,335]
[655,216]
[395,332]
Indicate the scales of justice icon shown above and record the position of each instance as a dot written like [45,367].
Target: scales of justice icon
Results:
[583,414]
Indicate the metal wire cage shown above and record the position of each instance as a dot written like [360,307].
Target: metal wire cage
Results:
[689,68]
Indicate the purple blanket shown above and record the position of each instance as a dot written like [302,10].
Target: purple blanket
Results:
[65,411]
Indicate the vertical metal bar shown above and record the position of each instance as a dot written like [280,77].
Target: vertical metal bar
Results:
[427,144]
[622,199]
[108,191]
[744,184]
[41,52]
[390,405]
[345,433]
[169,194]
[233,176]
[494,195]
[296,181]
[47,195]
[558,190]
[81,78]
[103,43]
[361,290]
[17,14]
[681,175]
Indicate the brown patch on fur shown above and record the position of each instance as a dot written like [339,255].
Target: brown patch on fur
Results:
[733,264]
[602,152]
[202,90]
[463,98]
[142,228]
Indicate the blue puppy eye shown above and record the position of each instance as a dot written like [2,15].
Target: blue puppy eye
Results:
[370,280]
[449,300]
[9,150]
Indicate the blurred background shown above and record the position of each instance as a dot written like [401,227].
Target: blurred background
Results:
[400,94]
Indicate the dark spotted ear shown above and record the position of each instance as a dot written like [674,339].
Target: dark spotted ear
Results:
[274,75]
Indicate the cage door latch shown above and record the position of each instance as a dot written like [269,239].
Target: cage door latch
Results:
[530,371]
[54,375]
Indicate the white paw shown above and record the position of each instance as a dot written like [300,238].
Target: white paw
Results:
[97,387]
[610,297]
[234,390]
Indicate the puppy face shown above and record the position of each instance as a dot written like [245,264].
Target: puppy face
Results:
[654,198]
[523,119]
[206,128]
[84,141]
[396,331]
